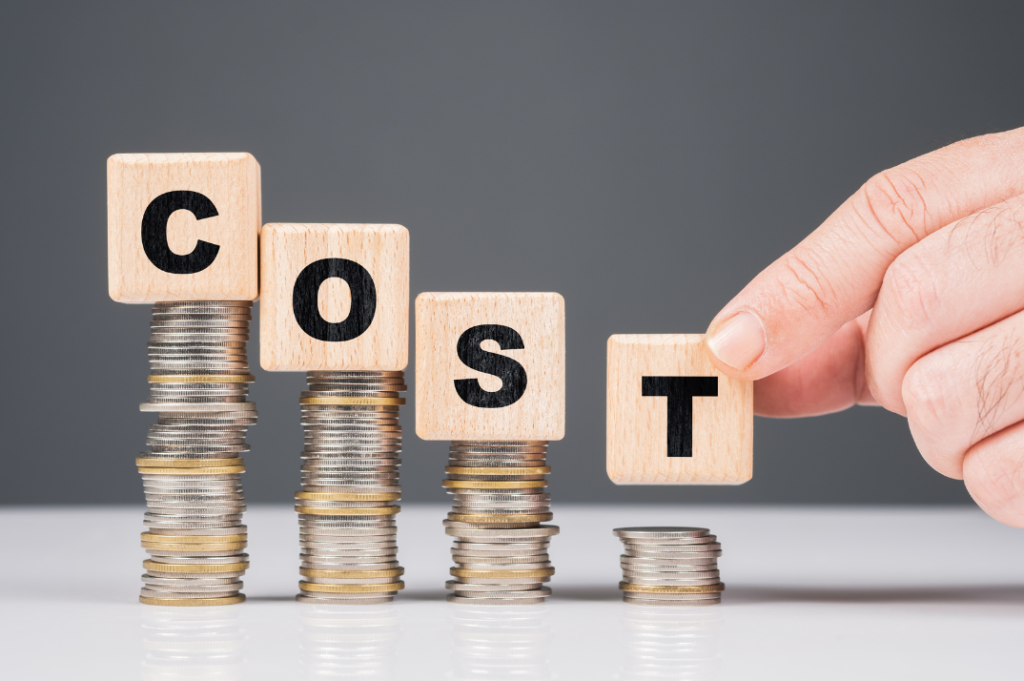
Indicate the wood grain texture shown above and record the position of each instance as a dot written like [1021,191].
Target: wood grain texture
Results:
[723,426]
[231,181]
[442,318]
[287,249]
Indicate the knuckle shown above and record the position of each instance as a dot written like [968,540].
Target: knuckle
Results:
[805,285]
[911,290]
[892,205]
[927,396]
[996,482]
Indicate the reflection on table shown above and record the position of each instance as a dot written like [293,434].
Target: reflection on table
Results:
[500,642]
[670,642]
[198,644]
[348,641]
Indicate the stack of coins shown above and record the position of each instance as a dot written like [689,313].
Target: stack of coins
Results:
[670,566]
[499,502]
[350,487]
[199,384]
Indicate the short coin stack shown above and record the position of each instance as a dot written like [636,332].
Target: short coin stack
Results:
[350,487]
[199,384]
[670,566]
[501,547]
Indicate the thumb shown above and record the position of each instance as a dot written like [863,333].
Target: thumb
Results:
[833,275]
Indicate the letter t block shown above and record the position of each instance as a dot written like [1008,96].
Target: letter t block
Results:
[490,366]
[673,418]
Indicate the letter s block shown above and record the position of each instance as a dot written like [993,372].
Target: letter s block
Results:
[490,366]
[334,297]
[183,227]
[673,418]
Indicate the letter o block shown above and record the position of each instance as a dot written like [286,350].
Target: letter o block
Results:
[490,366]
[183,227]
[673,418]
[334,297]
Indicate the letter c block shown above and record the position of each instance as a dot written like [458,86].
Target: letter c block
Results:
[673,418]
[183,227]
[334,297]
[490,366]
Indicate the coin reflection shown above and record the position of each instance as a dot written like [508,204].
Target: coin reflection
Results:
[348,642]
[204,644]
[670,642]
[500,642]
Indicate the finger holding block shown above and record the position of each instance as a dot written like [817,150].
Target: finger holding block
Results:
[673,418]
[490,366]
[334,297]
[183,227]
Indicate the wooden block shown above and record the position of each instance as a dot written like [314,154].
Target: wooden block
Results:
[334,297]
[673,418]
[490,366]
[183,227]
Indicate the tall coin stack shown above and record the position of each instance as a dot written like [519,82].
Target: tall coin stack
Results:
[670,566]
[350,487]
[199,383]
[499,502]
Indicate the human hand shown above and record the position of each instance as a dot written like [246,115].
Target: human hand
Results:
[909,296]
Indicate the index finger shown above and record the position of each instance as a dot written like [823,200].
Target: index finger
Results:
[834,275]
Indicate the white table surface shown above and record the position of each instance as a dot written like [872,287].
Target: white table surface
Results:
[812,593]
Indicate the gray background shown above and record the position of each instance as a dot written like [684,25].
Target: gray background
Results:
[643,159]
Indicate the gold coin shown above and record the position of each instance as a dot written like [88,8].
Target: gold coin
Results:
[202,378]
[494,484]
[504,518]
[186,463]
[230,600]
[193,538]
[349,510]
[211,470]
[353,400]
[185,548]
[351,588]
[476,470]
[348,496]
[501,574]
[196,569]
[652,589]
[351,574]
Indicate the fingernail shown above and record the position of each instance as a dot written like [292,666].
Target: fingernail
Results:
[739,341]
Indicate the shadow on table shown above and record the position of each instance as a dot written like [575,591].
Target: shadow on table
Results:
[1010,594]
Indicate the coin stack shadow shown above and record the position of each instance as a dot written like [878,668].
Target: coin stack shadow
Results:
[199,383]
[499,502]
[349,643]
[350,487]
[670,566]
[670,643]
[500,642]
[197,644]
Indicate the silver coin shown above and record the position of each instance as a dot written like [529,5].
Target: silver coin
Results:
[647,602]
[494,581]
[236,529]
[531,593]
[674,597]
[227,560]
[514,533]
[659,532]
[452,598]
[372,580]
[306,598]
